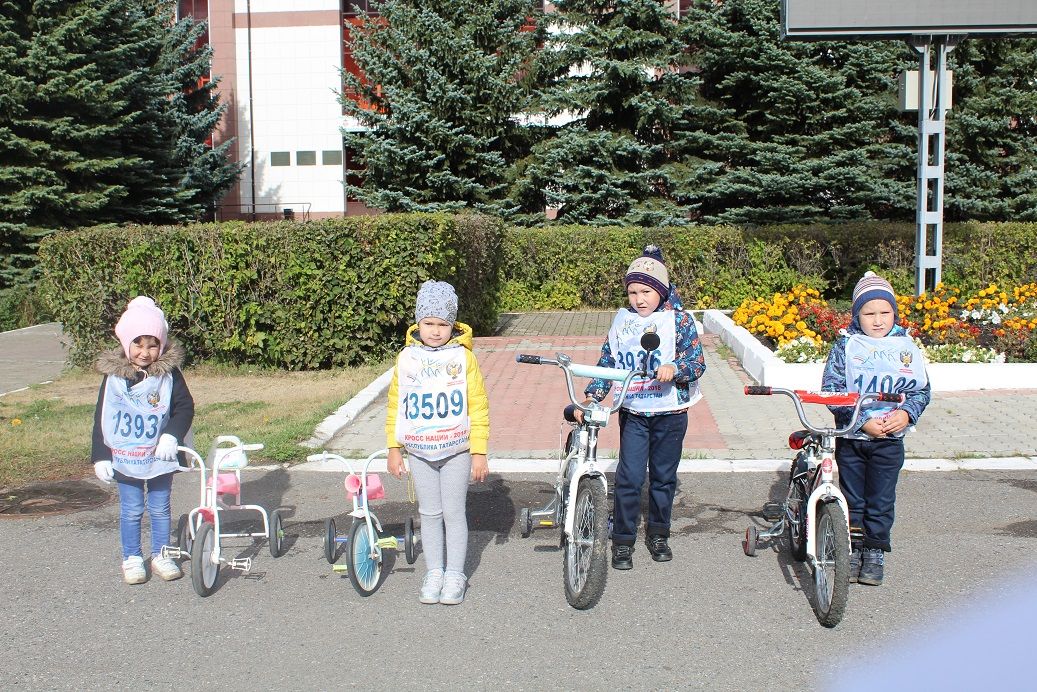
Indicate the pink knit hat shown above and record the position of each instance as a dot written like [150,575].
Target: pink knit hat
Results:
[142,318]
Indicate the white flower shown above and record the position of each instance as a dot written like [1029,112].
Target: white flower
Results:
[967,357]
[995,318]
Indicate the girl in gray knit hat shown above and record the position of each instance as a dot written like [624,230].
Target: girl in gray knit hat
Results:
[439,413]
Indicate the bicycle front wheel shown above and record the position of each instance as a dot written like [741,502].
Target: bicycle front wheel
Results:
[363,559]
[584,569]
[832,568]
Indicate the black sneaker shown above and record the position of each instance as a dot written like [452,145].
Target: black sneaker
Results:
[659,548]
[855,565]
[622,557]
[872,561]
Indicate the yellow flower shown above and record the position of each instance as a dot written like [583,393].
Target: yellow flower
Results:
[16,421]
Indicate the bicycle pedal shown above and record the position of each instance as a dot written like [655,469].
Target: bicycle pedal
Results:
[172,553]
[339,568]
[389,543]
[772,511]
[240,563]
[545,523]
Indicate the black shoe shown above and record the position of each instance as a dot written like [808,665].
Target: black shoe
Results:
[855,565]
[659,548]
[622,557]
[872,561]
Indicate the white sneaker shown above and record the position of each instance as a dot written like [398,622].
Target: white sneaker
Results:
[165,568]
[431,585]
[133,570]
[454,584]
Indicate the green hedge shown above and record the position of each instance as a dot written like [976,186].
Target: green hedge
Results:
[565,268]
[341,291]
[296,296]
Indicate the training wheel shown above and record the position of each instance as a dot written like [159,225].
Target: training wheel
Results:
[752,535]
[183,536]
[410,550]
[330,544]
[526,522]
[276,535]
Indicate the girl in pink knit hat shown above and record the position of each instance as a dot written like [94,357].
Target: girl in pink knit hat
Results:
[144,411]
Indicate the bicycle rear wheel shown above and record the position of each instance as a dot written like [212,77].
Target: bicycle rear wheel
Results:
[584,569]
[795,518]
[832,569]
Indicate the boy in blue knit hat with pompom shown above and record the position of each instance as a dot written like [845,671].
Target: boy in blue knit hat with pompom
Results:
[874,354]
[654,417]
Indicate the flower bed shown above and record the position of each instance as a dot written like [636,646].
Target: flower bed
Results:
[992,326]
[766,368]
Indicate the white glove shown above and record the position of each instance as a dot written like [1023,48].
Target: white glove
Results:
[104,471]
[166,449]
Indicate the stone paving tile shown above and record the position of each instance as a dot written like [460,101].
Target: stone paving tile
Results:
[526,403]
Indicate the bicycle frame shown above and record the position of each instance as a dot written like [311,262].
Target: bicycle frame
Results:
[825,482]
[595,417]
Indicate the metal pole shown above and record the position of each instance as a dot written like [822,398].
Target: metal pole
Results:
[251,114]
[933,102]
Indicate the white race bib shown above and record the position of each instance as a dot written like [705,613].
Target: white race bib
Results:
[891,364]
[432,413]
[644,395]
[132,418]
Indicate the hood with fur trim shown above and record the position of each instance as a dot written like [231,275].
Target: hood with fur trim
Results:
[115,362]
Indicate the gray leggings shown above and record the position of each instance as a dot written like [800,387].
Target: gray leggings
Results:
[442,488]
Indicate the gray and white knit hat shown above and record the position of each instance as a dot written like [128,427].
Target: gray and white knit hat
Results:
[436,299]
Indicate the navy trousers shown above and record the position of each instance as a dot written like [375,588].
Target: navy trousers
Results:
[649,444]
[868,473]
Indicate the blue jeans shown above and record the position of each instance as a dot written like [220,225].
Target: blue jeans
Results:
[868,474]
[652,444]
[131,510]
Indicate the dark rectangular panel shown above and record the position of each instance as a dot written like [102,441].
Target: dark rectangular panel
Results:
[818,19]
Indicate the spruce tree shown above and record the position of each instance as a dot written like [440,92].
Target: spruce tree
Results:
[615,74]
[991,158]
[819,138]
[208,171]
[95,126]
[441,86]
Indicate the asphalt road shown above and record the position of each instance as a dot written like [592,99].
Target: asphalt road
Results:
[712,618]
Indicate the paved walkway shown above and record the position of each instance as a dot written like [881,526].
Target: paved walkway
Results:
[526,403]
[30,356]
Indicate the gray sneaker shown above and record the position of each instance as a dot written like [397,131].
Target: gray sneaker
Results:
[431,586]
[454,584]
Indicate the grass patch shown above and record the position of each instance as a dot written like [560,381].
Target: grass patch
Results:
[45,431]
[723,350]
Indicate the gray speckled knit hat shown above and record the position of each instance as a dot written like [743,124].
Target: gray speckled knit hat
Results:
[436,299]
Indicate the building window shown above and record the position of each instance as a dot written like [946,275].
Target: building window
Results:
[331,157]
[280,158]
[305,158]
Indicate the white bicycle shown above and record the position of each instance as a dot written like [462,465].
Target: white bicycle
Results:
[814,513]
[580,504]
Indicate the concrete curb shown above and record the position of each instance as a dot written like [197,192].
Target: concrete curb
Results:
[345,413]
[508,466]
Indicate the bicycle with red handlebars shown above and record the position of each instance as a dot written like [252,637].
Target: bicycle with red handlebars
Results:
[814,514]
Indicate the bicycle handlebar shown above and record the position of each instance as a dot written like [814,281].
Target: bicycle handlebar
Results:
[801,396]
[593,371]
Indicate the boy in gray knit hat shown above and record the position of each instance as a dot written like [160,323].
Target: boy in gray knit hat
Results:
[439,413]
